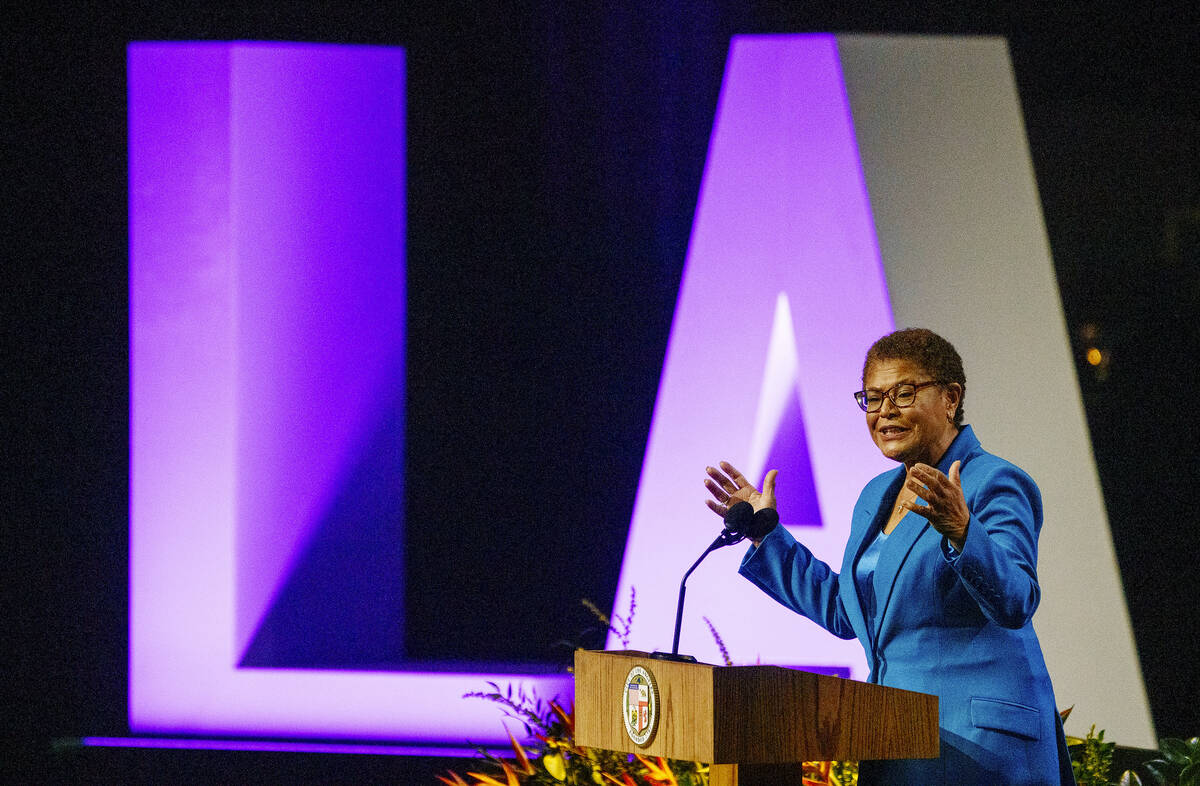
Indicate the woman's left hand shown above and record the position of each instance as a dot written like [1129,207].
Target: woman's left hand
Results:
[947,508]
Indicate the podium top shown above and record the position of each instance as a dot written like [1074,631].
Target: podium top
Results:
[744,714]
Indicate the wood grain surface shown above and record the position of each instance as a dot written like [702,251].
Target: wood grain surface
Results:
[752,714]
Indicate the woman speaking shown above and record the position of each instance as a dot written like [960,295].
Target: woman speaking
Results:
[939,577]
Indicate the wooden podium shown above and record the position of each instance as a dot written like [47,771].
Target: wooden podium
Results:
[753,724]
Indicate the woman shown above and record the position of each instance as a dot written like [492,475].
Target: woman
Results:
[939,578]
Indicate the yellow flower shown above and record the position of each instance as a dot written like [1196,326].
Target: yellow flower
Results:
[553,762]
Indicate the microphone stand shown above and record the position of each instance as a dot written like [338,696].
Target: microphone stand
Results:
[741,521]
[726,538]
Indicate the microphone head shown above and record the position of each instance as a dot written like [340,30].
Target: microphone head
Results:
[739,517]
[762,523]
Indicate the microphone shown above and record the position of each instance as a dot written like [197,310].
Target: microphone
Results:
[741,522]
[738,519]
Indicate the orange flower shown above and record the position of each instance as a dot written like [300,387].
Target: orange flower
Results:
[522,759]
[487,780]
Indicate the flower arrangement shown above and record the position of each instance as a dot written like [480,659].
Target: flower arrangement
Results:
[554,758]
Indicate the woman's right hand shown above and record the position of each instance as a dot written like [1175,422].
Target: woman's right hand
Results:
[728,486]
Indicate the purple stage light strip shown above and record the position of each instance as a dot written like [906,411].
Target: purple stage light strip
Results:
[267,329]
[280,746]
[782,293]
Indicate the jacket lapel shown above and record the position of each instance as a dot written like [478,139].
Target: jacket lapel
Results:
[863,530]
[891,561]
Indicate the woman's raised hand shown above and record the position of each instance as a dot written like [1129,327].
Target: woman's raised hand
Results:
[728,486]
[947,507]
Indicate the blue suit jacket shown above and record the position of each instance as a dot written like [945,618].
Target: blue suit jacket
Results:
[956,625]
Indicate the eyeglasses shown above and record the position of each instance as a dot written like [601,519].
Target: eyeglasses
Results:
[902,395]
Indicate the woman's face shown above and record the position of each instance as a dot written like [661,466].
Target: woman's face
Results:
[920,432]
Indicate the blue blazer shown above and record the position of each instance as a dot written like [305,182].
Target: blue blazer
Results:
[956,625]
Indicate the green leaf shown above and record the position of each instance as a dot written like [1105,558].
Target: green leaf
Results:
[1176,751]
[1190,775]
[1157,769]
[1130,778]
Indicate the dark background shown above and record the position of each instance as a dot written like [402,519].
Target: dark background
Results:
[554,161]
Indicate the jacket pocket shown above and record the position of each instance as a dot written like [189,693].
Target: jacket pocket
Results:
[1006,716]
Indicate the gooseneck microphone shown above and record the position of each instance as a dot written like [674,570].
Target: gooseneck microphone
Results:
[741,522]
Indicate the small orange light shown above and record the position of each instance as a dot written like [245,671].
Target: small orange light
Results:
[1094,356]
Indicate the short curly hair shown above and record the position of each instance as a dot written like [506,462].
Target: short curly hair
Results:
[934,354]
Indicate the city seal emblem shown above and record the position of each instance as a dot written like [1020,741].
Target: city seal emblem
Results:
[639,704]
